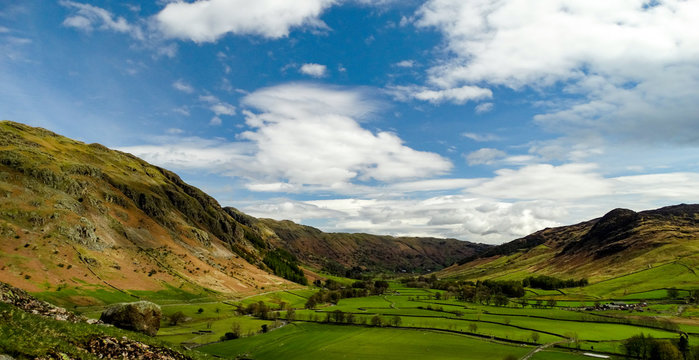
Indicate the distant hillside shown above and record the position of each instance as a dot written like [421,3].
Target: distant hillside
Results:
[620,243]
[341,252]
[81,216]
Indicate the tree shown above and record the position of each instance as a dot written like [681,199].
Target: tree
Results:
[376,320]
[290,314]
[311,303]
[472,327]
[177,318]
[396,321]
[500,300]
[638,346]
[551,303]
[200,311]
[264,328]
[683,345]
[236,331]
[380,286]
[338,316]
[664,350]
[535,337]
[673,293]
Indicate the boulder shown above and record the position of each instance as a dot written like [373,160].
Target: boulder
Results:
[141,316]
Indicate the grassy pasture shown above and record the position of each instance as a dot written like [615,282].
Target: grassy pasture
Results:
[309,341]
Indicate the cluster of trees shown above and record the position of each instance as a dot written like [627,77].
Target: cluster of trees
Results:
[333,291]
[484,292]
[647,348]
[341,317]
[260,310]
[552,283]
[335,268]
[285,264]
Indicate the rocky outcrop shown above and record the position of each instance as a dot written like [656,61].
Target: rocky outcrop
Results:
[113,348]
[30,304]
[141,316]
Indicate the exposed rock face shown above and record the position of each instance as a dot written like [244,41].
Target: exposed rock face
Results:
[142,316]
[113,348]
[30,304]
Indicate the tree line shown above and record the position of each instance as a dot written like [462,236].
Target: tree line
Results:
[332,291]
[284,264]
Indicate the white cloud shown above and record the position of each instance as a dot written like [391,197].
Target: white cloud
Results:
[183,86]
[484,107]
[457,216]
[490,210]
[485,156]
[315,70]
[208,20]
[544,181]
[459,95]
[174,131]
[480,137]
[88,17]
[307,136]
[679,187]
[218,107]
[406,63]
[632,69]
[215,121]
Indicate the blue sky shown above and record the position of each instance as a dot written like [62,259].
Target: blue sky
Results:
[481,120]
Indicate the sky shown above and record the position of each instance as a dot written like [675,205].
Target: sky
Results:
[481,120]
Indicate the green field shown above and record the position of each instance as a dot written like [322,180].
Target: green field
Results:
[317,341]
[406,323]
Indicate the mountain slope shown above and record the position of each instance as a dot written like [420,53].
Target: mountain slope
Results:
[340,252]
[79,216]
[620,243]
[73,214]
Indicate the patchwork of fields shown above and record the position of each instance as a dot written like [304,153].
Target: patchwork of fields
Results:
[406,323]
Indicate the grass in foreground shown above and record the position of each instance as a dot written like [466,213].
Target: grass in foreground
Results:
[24,335]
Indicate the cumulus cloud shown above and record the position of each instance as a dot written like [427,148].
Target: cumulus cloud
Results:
[207,20]
[302,137]
[315,70]
[480,137]
[484,156]
[459,95]
[484,107]
[634,67]
[183,86]
[88,17]
[406,63]
[463,217]
[545,181]
[218,107]
[309,134]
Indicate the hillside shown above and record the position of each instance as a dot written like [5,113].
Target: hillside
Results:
[340,252]
[75,215]
[79,216]
[633,247]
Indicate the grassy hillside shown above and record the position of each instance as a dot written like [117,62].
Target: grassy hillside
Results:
[620,253]
[84,224]
[339,252]
[83,218]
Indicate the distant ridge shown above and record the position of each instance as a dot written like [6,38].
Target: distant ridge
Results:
[620,242]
